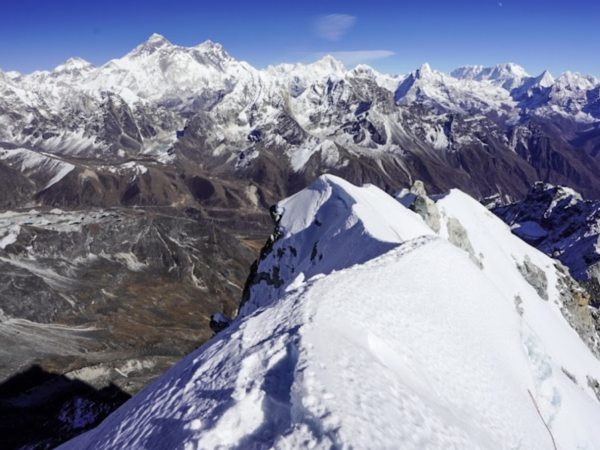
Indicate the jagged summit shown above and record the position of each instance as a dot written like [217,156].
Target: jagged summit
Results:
[156,38]
[209,45]
[545,80]
[73,64]
[329,62]
[215,50]
[154,43]
[363,69]
[423,71]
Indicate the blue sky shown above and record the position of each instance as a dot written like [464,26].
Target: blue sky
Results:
[393,37]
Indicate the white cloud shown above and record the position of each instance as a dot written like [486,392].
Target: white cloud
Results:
[333,26]
[357,57]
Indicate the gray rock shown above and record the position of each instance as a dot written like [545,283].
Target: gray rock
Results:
[416,200]
[518,303]
[569,375]
[593,383]
[458,236]
[535,276]
[576,309]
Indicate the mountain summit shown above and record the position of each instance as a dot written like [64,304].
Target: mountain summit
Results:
[154,43]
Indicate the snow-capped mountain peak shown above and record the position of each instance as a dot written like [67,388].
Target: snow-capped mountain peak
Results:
[545,80]
[468,72]
[423,71]
[497,72]
[507,76]
[329,63]
[364,70]
[73,64]
[12,74]
[575,81]
[209,45]
[153,44]
[508,69]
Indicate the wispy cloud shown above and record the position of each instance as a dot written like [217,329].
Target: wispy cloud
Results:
[357,57]
[333,26]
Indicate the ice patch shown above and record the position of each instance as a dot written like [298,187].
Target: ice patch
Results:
[10,237]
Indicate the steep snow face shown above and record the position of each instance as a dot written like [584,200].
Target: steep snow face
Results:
[417,348]
[557,221]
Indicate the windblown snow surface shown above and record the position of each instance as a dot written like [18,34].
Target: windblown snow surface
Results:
[385,337]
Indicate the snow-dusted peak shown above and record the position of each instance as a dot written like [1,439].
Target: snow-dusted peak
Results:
[423,71]
[329,196]
[466,72]
[327,67]
[72,65]
[545,80]
[154,43]
[330,64]
[210,46]
[509,69]
[297,78]
[157,39]
[362,70]
[13,74]
[507,75]
[575,81]
[558,190]
[329,226]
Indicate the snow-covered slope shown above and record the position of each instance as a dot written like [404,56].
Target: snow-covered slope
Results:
[418,345]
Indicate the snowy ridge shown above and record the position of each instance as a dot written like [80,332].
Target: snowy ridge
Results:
[328,226]
[415,346]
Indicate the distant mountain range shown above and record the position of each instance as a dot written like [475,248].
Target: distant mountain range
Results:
[486,130]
